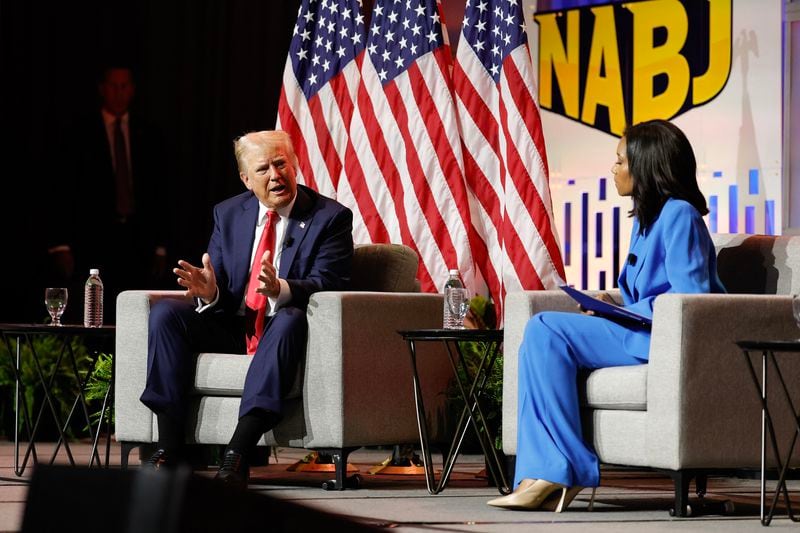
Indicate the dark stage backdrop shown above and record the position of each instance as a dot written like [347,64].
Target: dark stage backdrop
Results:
[207,70]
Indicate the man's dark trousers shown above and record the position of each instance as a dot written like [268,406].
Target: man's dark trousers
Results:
[178,332]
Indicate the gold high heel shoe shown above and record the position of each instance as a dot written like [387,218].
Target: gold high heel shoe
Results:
[558,502]
[503,501]
[530,494]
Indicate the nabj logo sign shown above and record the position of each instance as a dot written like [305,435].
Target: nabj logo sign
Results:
[616,64]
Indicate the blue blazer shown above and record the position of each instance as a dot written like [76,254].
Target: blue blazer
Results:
[317,248]
[675,254]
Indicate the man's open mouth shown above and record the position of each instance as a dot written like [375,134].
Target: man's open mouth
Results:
[278,189]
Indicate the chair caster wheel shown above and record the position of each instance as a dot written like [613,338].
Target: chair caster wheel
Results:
[352,482]
[703,508]
[687,511]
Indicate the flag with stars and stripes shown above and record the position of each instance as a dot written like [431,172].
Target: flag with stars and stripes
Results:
[319,84]
[404,169]
[504,152]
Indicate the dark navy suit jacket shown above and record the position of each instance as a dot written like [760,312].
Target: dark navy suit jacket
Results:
[316,255]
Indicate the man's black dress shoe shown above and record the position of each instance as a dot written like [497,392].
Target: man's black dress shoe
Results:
[162,460]
[234,470]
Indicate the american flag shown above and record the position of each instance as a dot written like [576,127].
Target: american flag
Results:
[405,171]
[504,152]
[460,178]
[319,83]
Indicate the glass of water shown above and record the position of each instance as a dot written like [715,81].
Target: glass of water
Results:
[458,301]
[55,298]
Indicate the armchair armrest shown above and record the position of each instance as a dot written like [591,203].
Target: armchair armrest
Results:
[134,421]
[702,407]
[358,388]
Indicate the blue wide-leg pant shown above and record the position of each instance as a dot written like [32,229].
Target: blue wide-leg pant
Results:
[555,346]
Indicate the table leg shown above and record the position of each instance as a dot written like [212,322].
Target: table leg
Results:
[20,406]
[17,394]
[48,400]
[460,432]
[466,413]
[474,413]
[81,398]
[96,437]
[422,425]
[481,378]
[763,433]
[110,397]
[493,461]
[767,429]
[782,481]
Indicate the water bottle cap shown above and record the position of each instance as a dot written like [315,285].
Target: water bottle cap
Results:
[94,271]
[454,272]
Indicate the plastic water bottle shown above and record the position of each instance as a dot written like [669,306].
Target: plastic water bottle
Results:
[93,300]
[453,281]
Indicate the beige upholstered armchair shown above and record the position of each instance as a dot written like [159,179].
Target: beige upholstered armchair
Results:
[693,409]
[354,390]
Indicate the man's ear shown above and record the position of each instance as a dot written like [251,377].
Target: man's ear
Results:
[245,180]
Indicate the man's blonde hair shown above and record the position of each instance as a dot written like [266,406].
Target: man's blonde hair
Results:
[262,140]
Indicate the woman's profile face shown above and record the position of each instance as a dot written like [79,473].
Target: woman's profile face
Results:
[622,178]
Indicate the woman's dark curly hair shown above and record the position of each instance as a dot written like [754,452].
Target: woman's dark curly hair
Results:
[662,164]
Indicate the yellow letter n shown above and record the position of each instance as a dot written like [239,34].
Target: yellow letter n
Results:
[554,56]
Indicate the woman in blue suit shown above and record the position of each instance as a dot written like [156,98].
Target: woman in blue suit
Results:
[670,251]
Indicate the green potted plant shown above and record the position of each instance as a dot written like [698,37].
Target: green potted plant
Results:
[97,388]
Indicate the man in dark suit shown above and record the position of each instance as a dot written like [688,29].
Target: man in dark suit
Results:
[114,195]
[271,248]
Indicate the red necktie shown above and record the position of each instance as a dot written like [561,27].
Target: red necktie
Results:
[255,303]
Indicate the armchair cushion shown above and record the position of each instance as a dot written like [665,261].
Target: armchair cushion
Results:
[220,374]
[617,387]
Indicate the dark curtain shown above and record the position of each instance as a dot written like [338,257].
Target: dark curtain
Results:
[206,71]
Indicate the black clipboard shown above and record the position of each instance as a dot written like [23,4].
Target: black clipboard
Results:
[605,309]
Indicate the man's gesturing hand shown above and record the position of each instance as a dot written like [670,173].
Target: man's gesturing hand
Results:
[268,277]
[199,282]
